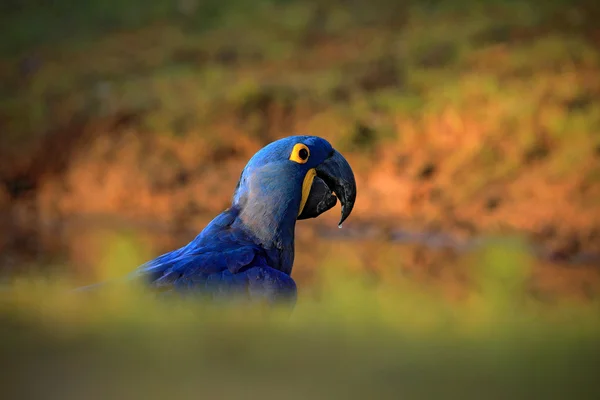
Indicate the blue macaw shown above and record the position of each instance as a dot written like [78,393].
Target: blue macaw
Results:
[248,249]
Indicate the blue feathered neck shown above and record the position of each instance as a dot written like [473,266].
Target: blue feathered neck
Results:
[268,204]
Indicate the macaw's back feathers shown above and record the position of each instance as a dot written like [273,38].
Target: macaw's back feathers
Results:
[222,261]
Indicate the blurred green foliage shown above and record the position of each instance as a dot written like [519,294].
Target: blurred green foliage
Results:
[182,64]
[347,338]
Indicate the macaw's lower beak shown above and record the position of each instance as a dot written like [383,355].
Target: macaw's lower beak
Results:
[334,175]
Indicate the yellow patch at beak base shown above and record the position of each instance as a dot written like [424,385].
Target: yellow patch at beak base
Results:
[306,185]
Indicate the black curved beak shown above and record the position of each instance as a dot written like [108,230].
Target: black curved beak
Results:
[334,175]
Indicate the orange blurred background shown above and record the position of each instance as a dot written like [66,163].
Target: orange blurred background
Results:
[461,120]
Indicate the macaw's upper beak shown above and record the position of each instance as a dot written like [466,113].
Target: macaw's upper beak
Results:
[334,175]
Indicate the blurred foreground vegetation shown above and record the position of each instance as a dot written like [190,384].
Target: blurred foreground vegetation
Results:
[349,337]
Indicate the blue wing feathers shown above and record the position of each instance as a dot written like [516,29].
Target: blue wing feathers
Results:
[220,261]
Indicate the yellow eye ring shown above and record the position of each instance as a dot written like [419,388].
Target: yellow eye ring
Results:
[300,153]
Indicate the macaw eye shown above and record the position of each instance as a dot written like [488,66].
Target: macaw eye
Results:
[300,153]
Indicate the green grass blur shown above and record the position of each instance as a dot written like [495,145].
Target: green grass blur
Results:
[349,337]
